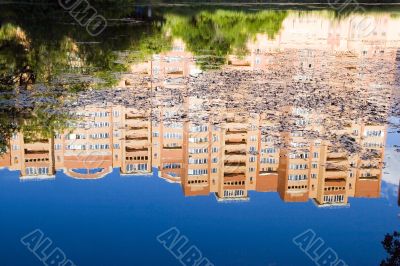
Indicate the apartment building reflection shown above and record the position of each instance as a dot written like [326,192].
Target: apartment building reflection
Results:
[226,151]
[312,42]
[98,139]
[229,159]
[236,158]
[32,157]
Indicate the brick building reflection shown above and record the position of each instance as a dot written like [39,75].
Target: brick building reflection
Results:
[229,159]
[225,151]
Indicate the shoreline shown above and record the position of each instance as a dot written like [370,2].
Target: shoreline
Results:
[226,3]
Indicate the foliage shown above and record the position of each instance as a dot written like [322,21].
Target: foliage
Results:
[222,32]
[391,244]
[8,126]
[66,47]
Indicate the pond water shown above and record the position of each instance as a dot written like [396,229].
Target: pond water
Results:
[199,134]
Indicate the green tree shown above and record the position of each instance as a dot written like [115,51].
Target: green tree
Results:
[391,244]
[212,35]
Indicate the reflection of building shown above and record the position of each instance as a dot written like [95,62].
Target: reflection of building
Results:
[369,172]
[234,158]
[229,159]
[136,143]
[33,157]
[226,150]
[87,151]
[306,36]
[99,139]
[166,69]
[5,160]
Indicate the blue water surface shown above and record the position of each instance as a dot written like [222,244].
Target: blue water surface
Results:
[115,221]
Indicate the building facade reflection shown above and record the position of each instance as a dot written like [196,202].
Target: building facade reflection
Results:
[228,159]
[210,143]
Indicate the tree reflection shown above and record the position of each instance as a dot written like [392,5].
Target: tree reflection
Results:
[391,244]
[46,39]
[215,34]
